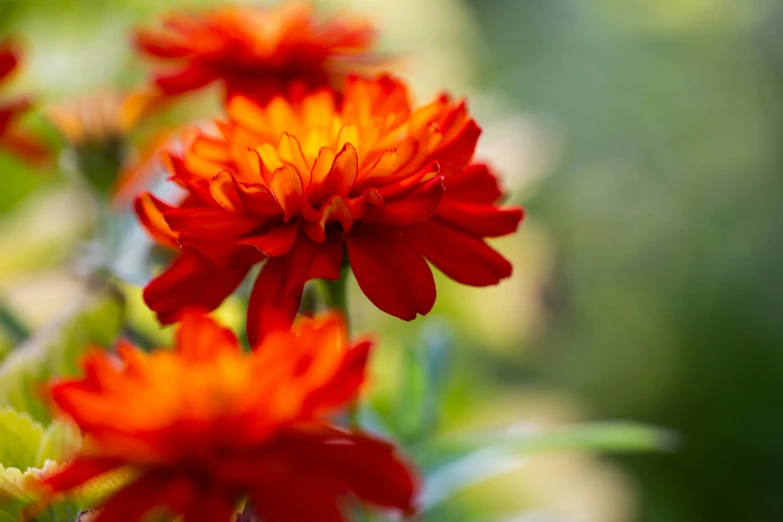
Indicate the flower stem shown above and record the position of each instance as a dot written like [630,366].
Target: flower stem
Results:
[337,293]
[16,330]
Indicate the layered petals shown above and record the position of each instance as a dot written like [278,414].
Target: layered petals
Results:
[204,425]
[305,179]
[255,51]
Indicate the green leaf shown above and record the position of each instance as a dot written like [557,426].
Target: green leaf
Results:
[454,464]
[55,351]
[59,442]
[20,436]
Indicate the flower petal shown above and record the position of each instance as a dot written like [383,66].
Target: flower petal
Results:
[482,220]
[191,283]
[308,260]
[475,183]
[415,206]
[271,307]
[464,258]
[80,470]
[275,242]
[393,275]
[201,338]
[149,210]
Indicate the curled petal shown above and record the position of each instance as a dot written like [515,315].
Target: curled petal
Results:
[224,191]
[150,211]
[288,190]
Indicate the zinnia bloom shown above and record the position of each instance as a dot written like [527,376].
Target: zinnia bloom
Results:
[98,130]
[206,425]
[301,181]
[16,140]
[256,51]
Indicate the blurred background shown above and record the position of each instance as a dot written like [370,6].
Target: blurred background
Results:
[644,139]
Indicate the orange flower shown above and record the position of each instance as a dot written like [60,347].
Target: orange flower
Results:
[256,51]
[18,141]
[205,425]
[301,181]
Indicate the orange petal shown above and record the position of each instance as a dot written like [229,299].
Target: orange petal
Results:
[288,191]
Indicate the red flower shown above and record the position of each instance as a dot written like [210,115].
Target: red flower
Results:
[256,51]
[205,425]
[20,142]
[301,181]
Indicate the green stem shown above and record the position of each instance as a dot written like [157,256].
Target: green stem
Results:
[337,299]
[337,293]
[13,326]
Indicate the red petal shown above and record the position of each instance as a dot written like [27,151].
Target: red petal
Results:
[393,275]
[346,382]
[224,192]
[308,260]
[211,506]
[78,471]
[288,190]
[8,59]
[340,179]
[415,206]
[300,501]
[271,308]
[191,283]
[199,337]
[134,501]
[188,79]
[463,257]
[276,242]
[475,183]
[150,211]
[482,220]
[457,154]
[209,223]
[371,470]
[159,46]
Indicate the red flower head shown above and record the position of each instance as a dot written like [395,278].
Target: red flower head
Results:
[301,181]
[205,425]
[256,51]
[21,143]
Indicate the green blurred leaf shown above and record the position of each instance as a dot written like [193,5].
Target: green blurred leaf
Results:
[59,442]
[20,436]
[56,351]
[454,464]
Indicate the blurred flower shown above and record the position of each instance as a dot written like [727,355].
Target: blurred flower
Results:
[256,51]
[100,117]
[299,181]
[20,142]
[205,425]
[97,128]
